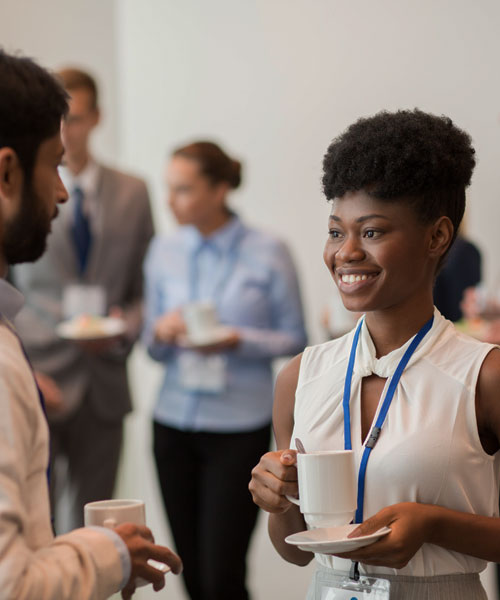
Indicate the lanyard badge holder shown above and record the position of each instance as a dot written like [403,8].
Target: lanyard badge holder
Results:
[334,586]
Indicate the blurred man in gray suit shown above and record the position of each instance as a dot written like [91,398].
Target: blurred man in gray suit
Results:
[96,250]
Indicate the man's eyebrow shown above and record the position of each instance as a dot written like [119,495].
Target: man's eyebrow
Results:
[361,219]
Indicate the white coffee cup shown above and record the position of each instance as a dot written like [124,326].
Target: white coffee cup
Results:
[201,321]
[110,513]
[327,487]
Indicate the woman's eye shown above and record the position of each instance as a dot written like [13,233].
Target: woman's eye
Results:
[371,233]
[333,233]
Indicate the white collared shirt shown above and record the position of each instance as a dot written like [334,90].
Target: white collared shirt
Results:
[85,563]
[87,180]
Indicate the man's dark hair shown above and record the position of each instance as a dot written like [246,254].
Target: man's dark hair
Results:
[409,156]
[32,104]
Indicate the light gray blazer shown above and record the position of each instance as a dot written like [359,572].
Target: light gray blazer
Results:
[121,237]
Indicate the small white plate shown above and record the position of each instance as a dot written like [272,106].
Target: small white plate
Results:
[332,540]
[218,335]
[98,328]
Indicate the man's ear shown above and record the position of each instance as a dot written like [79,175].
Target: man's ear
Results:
[441,236]
[11,180]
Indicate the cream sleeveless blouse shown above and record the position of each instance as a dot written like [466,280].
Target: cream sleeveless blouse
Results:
[429,449]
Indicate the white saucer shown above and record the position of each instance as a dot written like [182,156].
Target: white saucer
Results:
[332,540]
[108,327]
[217,335]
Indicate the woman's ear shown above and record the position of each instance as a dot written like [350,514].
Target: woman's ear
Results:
[222,189]
[441,236]
[11,180]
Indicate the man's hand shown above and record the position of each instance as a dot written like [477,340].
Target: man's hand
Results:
[141,546]
[51,392]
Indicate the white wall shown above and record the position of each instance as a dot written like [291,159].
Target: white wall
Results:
[70,32]
[274,81]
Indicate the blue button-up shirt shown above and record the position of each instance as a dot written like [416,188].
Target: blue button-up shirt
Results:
[250,277]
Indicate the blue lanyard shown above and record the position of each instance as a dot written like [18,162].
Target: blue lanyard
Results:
[375,431]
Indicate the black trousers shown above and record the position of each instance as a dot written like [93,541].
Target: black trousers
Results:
[204,482]
[85,454]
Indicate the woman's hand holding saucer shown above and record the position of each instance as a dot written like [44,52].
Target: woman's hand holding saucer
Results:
[410,525]
[274,478]
[169,327]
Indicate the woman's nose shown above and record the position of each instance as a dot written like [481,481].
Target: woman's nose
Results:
[351,250]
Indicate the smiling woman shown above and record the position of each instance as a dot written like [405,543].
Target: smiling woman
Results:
[414,399]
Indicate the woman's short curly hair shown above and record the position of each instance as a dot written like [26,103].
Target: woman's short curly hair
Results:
[409,156]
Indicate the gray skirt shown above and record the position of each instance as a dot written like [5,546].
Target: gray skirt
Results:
[465,586]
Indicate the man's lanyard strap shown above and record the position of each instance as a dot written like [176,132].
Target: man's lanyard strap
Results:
[376,429]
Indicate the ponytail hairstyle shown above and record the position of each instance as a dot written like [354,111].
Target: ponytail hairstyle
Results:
[214,162]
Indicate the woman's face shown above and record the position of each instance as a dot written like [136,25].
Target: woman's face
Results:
[192,197]
[379,254]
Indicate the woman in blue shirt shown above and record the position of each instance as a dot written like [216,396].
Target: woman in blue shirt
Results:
[212,418]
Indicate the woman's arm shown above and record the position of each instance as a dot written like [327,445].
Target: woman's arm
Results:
[275,476]
[414,524]
[154,318]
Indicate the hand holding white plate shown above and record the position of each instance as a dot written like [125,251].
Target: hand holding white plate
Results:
[89,327]
[219,334]
[333,540]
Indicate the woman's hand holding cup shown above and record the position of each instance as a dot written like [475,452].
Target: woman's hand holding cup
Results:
[273,479]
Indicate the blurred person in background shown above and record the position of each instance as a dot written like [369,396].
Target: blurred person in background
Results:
[97,245]
[461,270]
[88,563]
[212,417]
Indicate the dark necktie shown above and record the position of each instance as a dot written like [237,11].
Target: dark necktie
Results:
[82,235]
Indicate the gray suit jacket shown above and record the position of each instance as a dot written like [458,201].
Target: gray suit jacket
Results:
[121,238]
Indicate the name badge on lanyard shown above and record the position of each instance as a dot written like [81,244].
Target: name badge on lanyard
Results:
[340,587]
[335,586]
[202,373]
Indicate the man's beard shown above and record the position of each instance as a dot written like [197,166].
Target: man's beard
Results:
[25,237]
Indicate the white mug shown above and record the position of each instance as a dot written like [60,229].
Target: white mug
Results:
[201,321]
[110,513]
[327,487]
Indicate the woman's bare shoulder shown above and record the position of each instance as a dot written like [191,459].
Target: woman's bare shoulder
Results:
[284,401]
